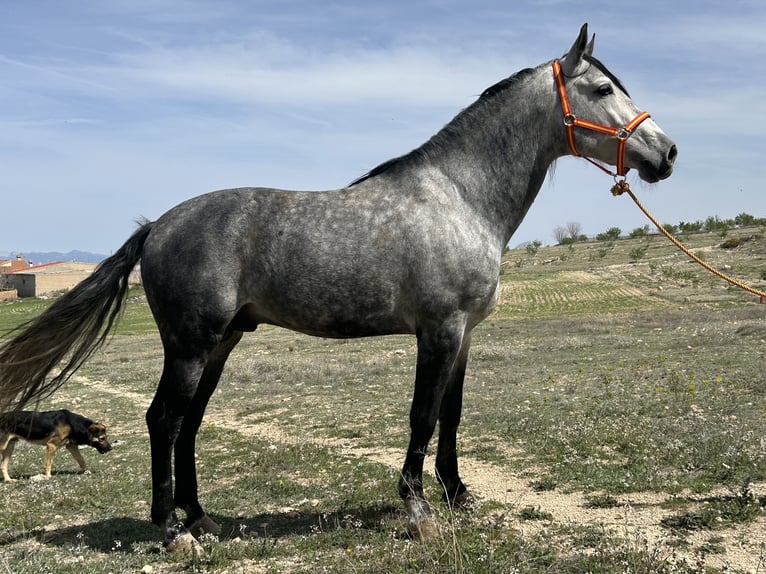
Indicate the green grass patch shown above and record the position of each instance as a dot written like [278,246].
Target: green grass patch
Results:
[721,511]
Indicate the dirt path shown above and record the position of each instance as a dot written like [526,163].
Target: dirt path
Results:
[636,520]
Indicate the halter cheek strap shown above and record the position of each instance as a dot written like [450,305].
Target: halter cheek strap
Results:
[571,121]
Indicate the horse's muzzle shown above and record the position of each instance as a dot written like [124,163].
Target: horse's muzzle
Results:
[652,173]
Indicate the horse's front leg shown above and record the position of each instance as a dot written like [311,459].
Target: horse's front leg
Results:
[455,493]
[437,352]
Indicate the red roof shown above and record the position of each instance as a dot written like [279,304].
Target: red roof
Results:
[35,267]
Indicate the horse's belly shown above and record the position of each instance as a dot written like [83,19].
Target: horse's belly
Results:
[322,320]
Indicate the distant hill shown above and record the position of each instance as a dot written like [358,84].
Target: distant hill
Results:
[38,257]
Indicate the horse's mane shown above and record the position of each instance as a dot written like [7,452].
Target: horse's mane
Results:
[505,84]
[486,96]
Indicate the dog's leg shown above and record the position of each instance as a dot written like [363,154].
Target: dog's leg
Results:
[7,452]
[50,452]
[74,450]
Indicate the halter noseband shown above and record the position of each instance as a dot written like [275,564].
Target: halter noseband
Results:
[571,121]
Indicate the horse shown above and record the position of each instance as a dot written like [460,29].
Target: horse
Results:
[412,247]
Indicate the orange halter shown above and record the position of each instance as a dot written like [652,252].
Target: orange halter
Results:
[571,121]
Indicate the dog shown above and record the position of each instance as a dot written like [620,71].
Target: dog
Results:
[54,429]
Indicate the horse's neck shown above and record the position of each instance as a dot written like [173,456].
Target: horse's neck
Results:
[501,156]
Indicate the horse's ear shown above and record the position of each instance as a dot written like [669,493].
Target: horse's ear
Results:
[572,63]
[589,47]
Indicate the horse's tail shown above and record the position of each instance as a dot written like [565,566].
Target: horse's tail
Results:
[73,328]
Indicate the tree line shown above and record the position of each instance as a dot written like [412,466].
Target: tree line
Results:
[572,232]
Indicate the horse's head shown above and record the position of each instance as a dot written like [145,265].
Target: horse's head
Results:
[602,122]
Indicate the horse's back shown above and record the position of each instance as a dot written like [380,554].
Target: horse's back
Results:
[295,259]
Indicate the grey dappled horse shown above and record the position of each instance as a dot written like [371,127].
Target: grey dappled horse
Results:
[412,247]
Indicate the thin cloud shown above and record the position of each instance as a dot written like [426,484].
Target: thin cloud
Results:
[284,74]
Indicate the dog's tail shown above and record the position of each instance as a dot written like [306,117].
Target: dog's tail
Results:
[70,330]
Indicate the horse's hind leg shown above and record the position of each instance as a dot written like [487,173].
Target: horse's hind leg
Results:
[455,493]
[188,380]
[185,468]
[163,418]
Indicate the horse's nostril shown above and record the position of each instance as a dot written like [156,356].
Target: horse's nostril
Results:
[672,153]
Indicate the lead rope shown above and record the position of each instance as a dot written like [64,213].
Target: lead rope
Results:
[622,186]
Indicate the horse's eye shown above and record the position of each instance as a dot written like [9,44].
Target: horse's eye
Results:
[605,90]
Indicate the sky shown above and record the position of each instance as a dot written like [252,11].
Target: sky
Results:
[115,110]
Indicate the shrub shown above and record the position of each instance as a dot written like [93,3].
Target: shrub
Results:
[744,220]
[637,253]
[639,232]
[694,227]
[611,234]
[533,246]
[731,243]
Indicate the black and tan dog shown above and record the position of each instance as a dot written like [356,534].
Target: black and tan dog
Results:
[54,429]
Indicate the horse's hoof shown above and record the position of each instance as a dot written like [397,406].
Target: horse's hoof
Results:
[185,543]
[204,525]
[421,524]
[423,529]
[463,501]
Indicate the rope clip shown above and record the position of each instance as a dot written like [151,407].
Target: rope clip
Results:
[620,186]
